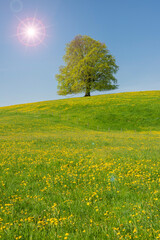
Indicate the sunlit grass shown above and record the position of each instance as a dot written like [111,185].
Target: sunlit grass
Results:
[63,179]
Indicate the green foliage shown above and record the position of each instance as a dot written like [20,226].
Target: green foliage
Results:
[89,67]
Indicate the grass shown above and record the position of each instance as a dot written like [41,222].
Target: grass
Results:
[82,168]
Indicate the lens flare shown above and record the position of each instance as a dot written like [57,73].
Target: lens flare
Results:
[31,32]
[16,6]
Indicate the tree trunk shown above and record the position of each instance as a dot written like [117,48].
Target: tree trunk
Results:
[88,89]
[87,94]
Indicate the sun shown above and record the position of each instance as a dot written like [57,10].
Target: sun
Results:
[31,32]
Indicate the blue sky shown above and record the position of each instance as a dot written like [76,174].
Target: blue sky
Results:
[130,29]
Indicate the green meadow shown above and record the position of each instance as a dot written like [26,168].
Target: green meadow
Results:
[81,168]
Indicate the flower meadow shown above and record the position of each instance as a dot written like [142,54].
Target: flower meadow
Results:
[81,168]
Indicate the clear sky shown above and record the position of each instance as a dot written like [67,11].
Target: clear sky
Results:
[129,28]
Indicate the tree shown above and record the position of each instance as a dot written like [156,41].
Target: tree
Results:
[89,67]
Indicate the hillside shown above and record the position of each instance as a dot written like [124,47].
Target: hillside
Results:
[138,111]
[77,169]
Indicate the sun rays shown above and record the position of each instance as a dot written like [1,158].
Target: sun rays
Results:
[31,32]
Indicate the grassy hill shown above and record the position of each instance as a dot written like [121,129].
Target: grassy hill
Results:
[81,168]
[124,111]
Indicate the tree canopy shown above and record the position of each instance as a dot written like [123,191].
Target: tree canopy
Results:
[89,67]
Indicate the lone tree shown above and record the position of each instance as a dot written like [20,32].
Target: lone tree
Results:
[89,67]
